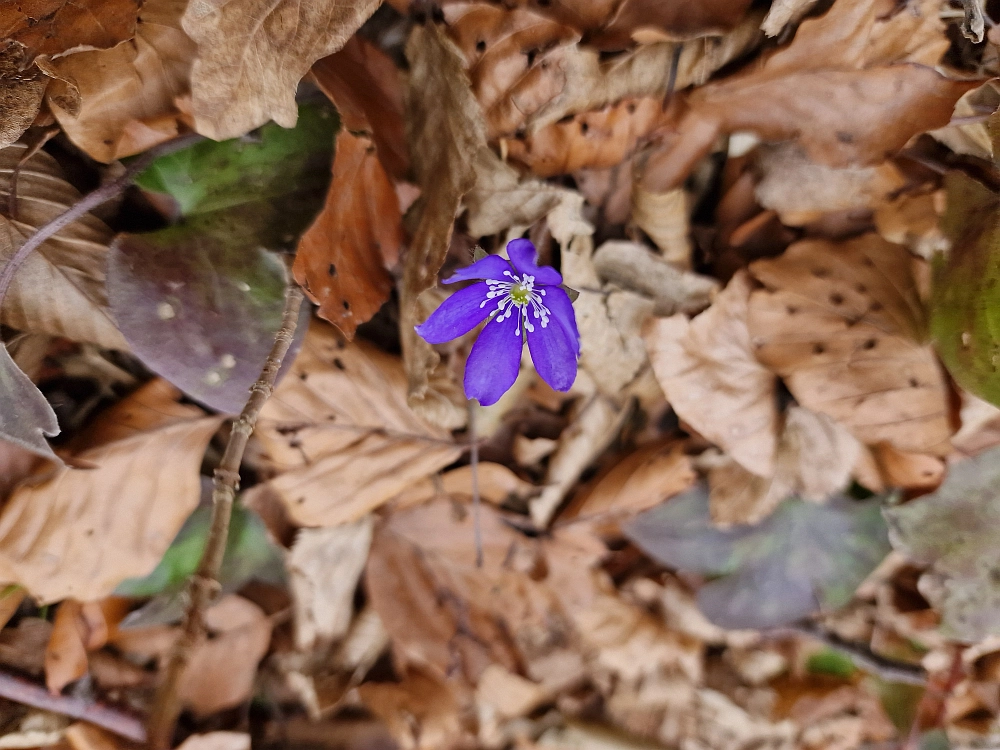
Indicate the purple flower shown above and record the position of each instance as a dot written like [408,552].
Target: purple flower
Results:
[519,300]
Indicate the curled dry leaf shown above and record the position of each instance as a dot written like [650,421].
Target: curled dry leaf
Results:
[342,258]
[711,378]
[59,289]
[446,131]
[813,460]
[854,85]
[340,430]
[253,53]
[324,566]
[646,20]
[65,654]
[783,12]
[367,88]
[127,95]
[843,325]
[665,218]
[80,533]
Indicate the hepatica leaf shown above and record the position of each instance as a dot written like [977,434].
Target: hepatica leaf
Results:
[954,531]
[803,558]
[965,305]
[200,301]
[25,417]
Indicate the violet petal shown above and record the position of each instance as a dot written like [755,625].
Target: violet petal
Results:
[457,315]
[561,307]
[494,361]
[524,256]
[490,267]
[554,353]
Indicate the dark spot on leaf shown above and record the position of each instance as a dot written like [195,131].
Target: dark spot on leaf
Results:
[331,269]
[300,500]
[913,383]
[792,309]
[860,288]
[303,376]
[530,54]
[347,305]
[870,344]
[338,363]
[584,127]
[821,273]
[480,46]
[845,137]
[631,108]
[818,348]
[875,307]
[836,299]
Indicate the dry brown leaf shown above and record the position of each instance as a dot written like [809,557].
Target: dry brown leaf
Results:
[422,712]
[65,654]
[16,463]
[910,471]
[84,736]
[496,483]
[81,532]
[54,27]
[590,140]
[853,86]
[513,57]
[647,20]
[914,221]
[153,405]
[253,53]
[801,190]
[637,482]
[226,663]
[843,325]
[815,457]
[339,428]
[445,132]
[324,566]
[127,95]
[664,217]
[342,258]
[59,289]
[634,267]
[22,87]
[708,372]
[365,85]
[23,647]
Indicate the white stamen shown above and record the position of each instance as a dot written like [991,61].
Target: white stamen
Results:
[522,287]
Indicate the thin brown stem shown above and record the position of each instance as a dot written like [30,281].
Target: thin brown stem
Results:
[476,500]
[203,585]
[22,691]
[88,203]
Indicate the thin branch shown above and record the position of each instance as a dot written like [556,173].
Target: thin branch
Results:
[203,585]
[88,203]
[28,693]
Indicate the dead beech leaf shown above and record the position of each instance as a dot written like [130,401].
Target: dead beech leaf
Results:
[814,459]
[496,484]
[367,88]
[843,325]
[339,428]
[445,132]
[708,372]
[854,85]
[58,290]
[65,654]
[82,532]
[422,711]
[639,481]
[783,12]
[324,566]
[665,218]
[54,27]
[128,94]
[22,87]
[16,463]
[341,259]
[253,53]
[590,140]
[643,20]
[153,405]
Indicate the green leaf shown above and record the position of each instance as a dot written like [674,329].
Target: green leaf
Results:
[804,557]
[954,531]
[200,302]
[965,304]
[830,662]
[249,555]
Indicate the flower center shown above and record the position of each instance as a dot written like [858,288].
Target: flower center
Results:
[517,296]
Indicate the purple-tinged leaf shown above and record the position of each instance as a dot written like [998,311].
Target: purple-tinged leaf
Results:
[25,416]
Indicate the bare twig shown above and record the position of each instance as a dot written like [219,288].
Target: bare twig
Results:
[28,693]
[203,585]
[88,203]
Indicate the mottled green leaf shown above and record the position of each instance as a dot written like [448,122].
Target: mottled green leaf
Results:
[803,558]
[965,306]
[25,416]
[250,554]
[955,531]
[200,301]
